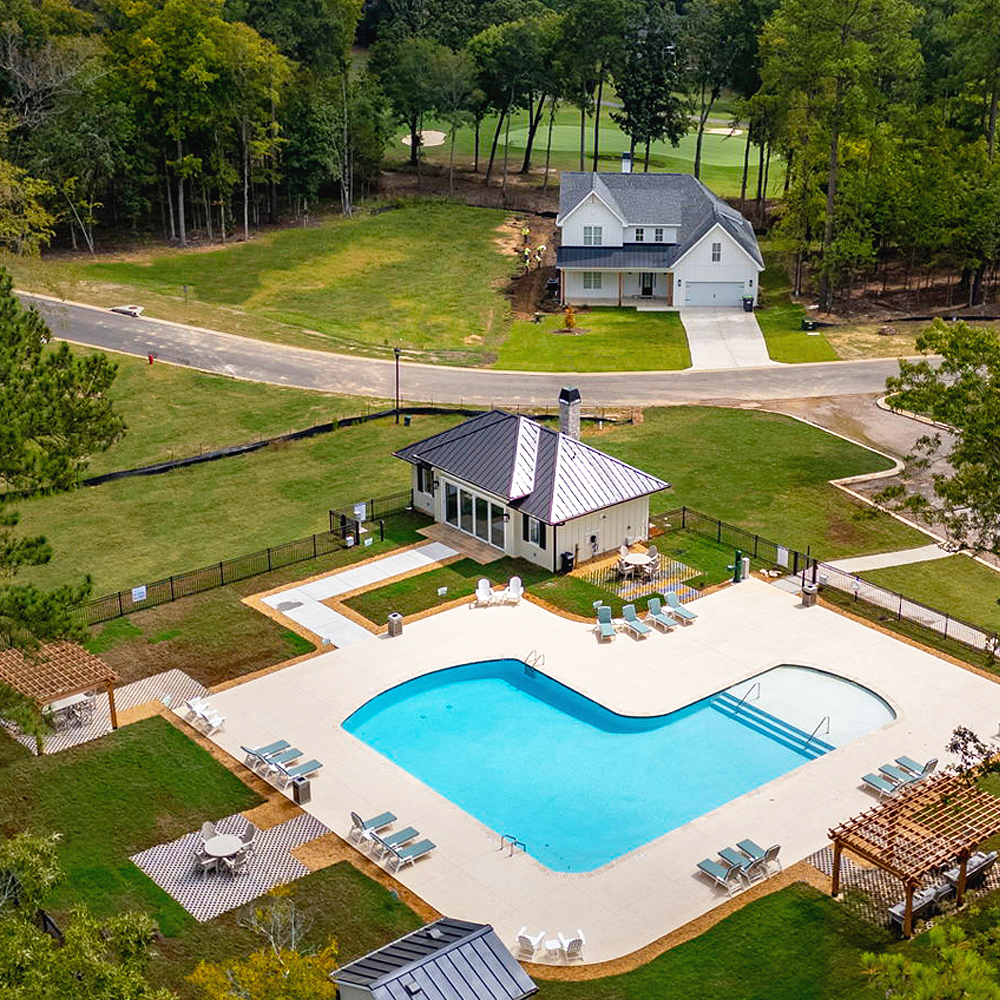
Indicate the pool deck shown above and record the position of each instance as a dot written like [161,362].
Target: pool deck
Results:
[655,889]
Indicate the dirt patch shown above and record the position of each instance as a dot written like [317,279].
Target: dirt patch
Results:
[527,287]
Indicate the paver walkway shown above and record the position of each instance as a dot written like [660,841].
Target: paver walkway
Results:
[303,603]
[880,560]
[724,338]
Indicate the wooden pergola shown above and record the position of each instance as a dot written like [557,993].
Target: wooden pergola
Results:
[58,670]
[932,824]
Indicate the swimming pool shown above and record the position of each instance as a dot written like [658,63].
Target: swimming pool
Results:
[577,783]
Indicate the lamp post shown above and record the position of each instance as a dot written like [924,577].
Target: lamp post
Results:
[396,352]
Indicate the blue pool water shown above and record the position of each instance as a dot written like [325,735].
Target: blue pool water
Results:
[578,784]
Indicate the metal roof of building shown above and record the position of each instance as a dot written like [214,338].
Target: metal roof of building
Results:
[630,257]
[539,471]
[679,200]
[446,960]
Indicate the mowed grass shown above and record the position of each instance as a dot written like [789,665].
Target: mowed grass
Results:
[172,412]
[780,319]
[139,786]
[142,529]
[795,944]
[605,339]
[957,585]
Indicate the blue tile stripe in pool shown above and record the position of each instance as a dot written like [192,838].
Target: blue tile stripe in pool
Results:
[578,784]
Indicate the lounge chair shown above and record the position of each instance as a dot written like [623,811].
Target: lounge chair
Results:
[254,758]
[734,859]
[654,614]
[605,626]
[527,944]
[897,774]
[213,722]
[920,770]
[277,761]
[359,826]
[387,843]
[515,590]
[401,856]
[758,855]
[881,785]
[677,609]
[484,593]
[194,708]
[572,948]
[287,775]
[639,629]
[728,877]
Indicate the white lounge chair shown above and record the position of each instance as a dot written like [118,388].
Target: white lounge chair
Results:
[213,723]
[677,609]
[573,947]
[514,591]
[527,944]
[484,593]
[400,856]
[359,826]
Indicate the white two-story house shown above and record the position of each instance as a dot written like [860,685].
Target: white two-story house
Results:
[655,241]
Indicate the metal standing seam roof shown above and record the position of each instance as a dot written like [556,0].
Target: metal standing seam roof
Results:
[669,200]
[629,257]
[446,960]
[505,453]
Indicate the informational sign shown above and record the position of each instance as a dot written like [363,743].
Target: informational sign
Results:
[368,541]
[782,556]
[138,594]
[442,591]
[360,512]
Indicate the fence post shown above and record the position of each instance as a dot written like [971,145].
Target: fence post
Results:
[222,575]
[899,613]
[314,545]
[172,589]
[815,569]
[121,609]
[269,553]
[756,539]
[795,561]
[718,532]
[684,517]
[381,531]
[945,633]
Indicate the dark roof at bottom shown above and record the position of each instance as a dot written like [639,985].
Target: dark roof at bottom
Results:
[628,257]
[446,960]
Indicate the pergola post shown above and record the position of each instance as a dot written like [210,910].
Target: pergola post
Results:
[963,862]
[111,704]
[835,886]
[908,914]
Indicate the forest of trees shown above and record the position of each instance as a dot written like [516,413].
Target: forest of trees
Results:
[221,114]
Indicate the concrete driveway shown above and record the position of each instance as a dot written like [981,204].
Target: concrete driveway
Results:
[724,338]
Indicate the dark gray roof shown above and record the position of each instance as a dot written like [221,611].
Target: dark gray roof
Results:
[660,199]
[447,960]
[630,257]
[539,471]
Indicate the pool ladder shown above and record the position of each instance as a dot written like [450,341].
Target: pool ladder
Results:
[826,719]
[533,661]
[507,840]
[755,685]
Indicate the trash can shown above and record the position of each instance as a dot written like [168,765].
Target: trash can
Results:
[566,562]
[809,324]
[809,595]
[395,623]
[748,303]
[406,419]
[301,791]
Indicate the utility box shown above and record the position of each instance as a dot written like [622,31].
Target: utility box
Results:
[809,592]
[395,621]
[301,791]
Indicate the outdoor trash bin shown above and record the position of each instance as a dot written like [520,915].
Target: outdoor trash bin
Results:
[748,303]
[567,562]
[395,624]
[809,324]
[809,595]
[301,791]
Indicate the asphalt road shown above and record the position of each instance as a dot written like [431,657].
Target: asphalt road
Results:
[260,361]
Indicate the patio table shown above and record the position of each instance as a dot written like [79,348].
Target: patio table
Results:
[223,845]
[637,559]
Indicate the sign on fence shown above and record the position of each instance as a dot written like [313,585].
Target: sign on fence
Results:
[782,556]
[360,512]
[138,594]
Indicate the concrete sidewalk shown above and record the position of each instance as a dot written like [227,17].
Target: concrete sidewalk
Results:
[724,338]
[883,559]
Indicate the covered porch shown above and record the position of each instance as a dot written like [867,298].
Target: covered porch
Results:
[643,290]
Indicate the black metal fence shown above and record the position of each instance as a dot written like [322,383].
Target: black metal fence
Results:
[372,509]
[893,603]
[344,535]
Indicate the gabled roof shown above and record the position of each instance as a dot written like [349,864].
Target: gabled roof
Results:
[679,200]
[446,960]
[538,471]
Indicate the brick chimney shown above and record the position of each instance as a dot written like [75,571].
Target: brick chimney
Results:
[569,412]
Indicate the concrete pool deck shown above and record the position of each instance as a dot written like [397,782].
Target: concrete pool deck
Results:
[655,889]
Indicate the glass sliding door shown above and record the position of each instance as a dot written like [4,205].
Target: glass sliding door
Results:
[482,519]
[496,526]
[465,506]
[451,504]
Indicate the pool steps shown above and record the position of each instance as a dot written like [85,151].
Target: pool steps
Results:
[770,725]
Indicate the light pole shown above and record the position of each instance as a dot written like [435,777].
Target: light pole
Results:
[395,351]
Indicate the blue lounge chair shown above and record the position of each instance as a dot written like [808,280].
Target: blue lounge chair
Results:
[287,775]
[897,774]
[920,770]
[881,785]
[728,877]
[758,855]
[388,842]
[677,609]
[654,614]
[604,623]
[639,629]
[407,855]
[361,826]
[262,752]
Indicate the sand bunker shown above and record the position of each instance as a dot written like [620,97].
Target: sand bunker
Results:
[710,131]
[429,138]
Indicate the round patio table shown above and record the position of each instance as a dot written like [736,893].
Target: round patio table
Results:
[223,845]
[637,559]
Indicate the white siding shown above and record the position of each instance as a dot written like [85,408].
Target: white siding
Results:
[649,234]
[575,294]
[423,501]
[613,527]
[592,212]
[697,265]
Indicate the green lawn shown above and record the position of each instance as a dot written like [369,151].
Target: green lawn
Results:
[605,339]
[957,585]
[90,794]
[780,319]
[173,412]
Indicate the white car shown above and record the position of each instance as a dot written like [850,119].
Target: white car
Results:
[128,310]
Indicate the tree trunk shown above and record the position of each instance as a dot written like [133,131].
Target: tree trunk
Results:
[832,176]
[760,181]
[976,288]
[645,165]
[597,117]
[208,213]
[583,139]
[553,104]
[414,141]
[767,171]
[347,160]
[182,234]
[706,110]
[222,215]
[475,158]
[170,199]
[451,165]
[493,147]
[991,128]
[746,170]
[506,146]
[788,169]
[533,123]
[246,185]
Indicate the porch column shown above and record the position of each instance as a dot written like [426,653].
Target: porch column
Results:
[908,915]
[835,882]
[963,863]
[111,705]
[621,285]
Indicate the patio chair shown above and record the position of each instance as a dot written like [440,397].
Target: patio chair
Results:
[527,944]
[214,722]
[254,757]
[639,629]
[514,591]
[677,609]
[194,707]
[728,877]
[238,863]
[624,570]
[274,763]
[385,844]
[881,785]
[573,947]
[484,593]
[205,863]
[408,855]
[897,774]
[208,830]
[735,859]
[654,614]
[249,834]
[287,775]
[605,627]
[920,770]
[359,826]
[758,855]
[623,551]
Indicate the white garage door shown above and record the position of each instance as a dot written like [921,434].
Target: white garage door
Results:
[714,293]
